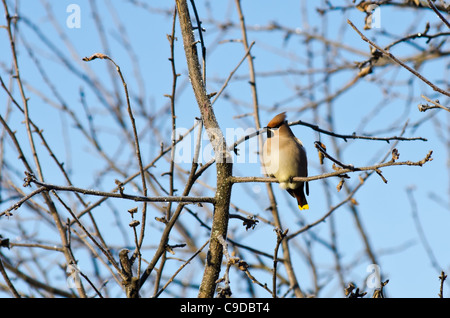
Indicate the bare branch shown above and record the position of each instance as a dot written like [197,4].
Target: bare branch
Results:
[435,103]
[339,172]
[396,60]
[433,7]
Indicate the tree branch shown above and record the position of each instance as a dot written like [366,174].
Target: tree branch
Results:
[339,172]
[223,159]
[396,60]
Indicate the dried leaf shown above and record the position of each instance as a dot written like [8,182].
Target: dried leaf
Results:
[134,223]
[335,168]
[395,154]
[95,56]
[321,155]
[339,186]
[243,265]
[361,180]
[133,210]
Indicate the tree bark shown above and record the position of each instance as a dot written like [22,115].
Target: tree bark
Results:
[223,159]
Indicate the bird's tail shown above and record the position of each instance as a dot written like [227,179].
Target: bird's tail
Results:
[299,194]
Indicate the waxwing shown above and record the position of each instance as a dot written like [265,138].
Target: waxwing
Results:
[284,158]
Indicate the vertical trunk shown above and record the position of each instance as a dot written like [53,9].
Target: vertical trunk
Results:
[223,158]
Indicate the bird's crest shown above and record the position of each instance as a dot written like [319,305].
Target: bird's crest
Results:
[277,121]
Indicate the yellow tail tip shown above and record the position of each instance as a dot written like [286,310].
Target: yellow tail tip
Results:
[303,207]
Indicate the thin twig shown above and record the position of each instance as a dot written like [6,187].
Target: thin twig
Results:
[22,91]
[171,279]
[226,290]
[193,175]
[433,7]
[436,104]
[442,278]
[339,172]
[33,282]
[8,281]
[171,172]
[280,236]
[17,205]
[354,136]
[420,230]
[137,198]
[148,166]
[104,250]
[327,132]
[232,73]
[68,254]
[202,42]
[136,141]
[396,60]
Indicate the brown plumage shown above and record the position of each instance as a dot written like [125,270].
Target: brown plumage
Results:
[284,158]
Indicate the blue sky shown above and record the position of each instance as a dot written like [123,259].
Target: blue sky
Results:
[384,209]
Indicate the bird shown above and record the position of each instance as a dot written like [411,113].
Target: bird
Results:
[284,158]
